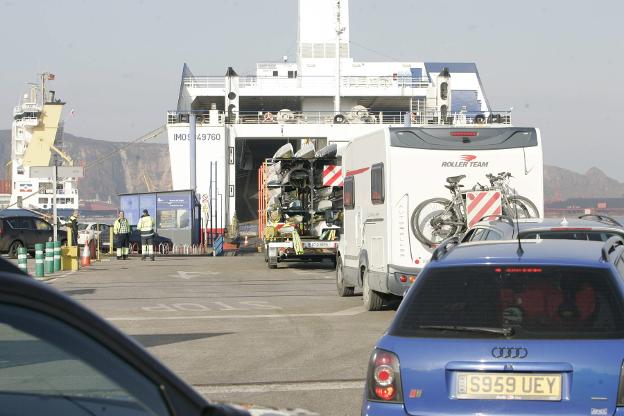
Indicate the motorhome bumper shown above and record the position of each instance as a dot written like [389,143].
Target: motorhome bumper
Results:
[400,281]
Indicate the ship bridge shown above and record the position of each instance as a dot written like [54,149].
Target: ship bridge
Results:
[322,97]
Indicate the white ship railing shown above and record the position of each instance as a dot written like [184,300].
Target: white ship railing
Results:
[26,108]
[393,117]
[390,81]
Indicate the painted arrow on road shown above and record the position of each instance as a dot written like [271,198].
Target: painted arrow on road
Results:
[190,275]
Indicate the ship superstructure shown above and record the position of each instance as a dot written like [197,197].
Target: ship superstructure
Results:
[37,132]
[324,96]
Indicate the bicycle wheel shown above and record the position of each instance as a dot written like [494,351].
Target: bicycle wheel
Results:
[432,222]
[529,206]
[516,208]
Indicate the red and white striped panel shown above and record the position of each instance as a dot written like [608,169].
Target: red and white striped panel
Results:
[332,175]
[482,204]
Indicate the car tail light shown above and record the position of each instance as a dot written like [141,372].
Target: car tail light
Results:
[620,397]
[518,270]
[384,378]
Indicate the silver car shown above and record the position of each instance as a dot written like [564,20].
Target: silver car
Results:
[586,227]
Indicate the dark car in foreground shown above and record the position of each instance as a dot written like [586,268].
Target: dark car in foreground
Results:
[586,227]
[58,358]
[506,329]
[25,231]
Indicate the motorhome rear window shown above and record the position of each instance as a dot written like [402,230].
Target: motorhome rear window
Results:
[484,138]
[377,184]
[348,193]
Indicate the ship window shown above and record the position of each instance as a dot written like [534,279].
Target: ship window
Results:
[444,91]
[377,184]
[43,200]
[348,196]
[292,74]
[274,73]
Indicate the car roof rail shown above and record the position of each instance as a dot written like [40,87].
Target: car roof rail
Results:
[445,247]
[605,219]
[610,245]
[499,217]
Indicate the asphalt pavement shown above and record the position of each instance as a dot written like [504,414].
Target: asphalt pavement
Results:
[238,331]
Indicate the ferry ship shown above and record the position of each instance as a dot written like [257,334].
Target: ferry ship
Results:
[37,140]
[322,97]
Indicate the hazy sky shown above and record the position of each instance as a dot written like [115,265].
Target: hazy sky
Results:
[559,64]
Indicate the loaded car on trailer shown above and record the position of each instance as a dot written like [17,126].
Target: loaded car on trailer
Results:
[300,205]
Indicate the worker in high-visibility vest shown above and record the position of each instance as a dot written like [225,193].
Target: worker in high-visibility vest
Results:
[73,225]
[121,229]
[146,228]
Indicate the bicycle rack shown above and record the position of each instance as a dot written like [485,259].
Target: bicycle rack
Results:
[163,248]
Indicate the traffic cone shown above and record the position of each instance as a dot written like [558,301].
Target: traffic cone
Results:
[85,259]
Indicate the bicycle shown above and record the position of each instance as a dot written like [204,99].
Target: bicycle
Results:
[437,219]
[517,206]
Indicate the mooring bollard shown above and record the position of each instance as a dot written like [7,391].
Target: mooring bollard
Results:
[57,256]
[22,258]
[39,269]
[49,257]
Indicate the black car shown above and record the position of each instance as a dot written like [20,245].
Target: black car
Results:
[25,231]
[161,244]
[58,358]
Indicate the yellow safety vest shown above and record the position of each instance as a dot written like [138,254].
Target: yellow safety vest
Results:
[146,226]
[117,225]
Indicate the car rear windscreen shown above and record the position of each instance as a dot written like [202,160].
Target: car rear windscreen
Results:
[568,235]
[541,302]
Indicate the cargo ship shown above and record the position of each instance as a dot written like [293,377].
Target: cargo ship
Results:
[37,140]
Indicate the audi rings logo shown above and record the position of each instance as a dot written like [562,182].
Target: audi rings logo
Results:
[509,352]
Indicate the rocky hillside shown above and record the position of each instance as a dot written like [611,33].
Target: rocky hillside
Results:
[561,184]
[123,171]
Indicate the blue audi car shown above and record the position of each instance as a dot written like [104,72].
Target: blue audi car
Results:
[505,328]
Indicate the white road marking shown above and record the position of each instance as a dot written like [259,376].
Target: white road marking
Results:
[220,306]
[272,387]
[190,275]
[309,272]
[347,312]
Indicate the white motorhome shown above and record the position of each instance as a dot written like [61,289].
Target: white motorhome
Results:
[390,172]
